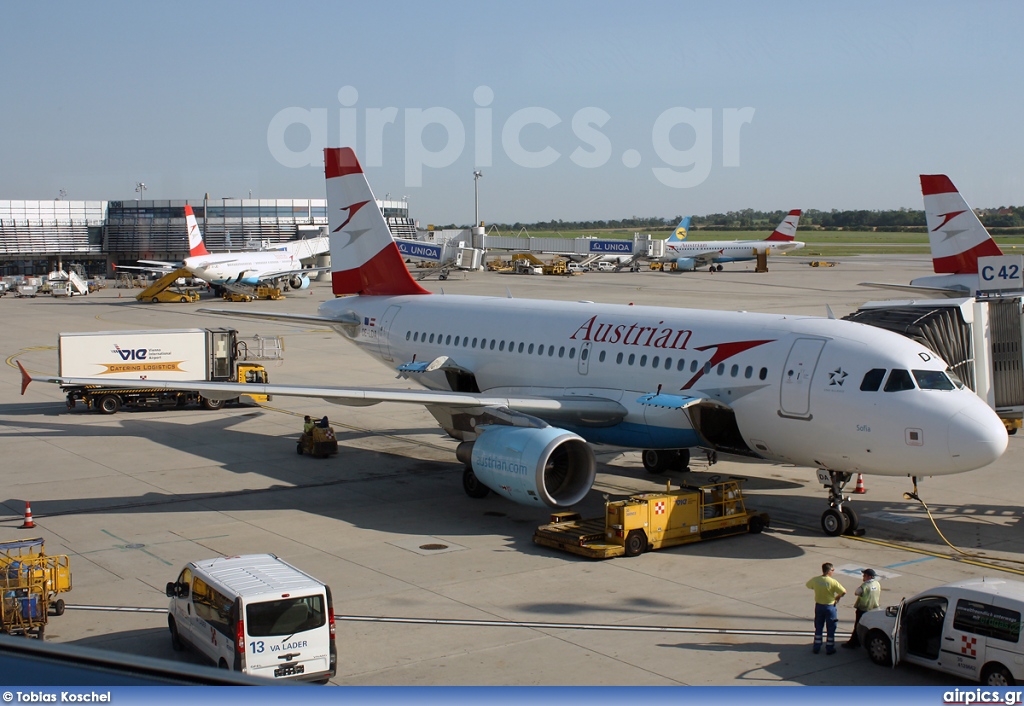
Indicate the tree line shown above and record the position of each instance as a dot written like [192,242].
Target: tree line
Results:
[895,220]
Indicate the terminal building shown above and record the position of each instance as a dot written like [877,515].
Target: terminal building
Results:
[35,236]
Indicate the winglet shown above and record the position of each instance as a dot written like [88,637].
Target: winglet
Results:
[364,257]
[25,377]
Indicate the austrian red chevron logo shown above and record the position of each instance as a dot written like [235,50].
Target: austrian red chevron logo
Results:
[352,210]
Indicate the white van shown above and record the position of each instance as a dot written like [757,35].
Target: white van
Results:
[576,267]
[255,614]
[969,628]
[605,266]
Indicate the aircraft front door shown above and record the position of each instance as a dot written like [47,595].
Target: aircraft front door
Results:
[795,397]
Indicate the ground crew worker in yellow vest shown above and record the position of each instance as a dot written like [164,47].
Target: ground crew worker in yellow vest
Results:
[868,595]
[307,425]
[827,592]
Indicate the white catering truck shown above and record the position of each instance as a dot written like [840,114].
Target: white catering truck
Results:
[255,614]
[214,354]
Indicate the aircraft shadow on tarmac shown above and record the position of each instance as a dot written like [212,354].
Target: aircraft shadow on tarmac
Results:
[351,486]
[796,663]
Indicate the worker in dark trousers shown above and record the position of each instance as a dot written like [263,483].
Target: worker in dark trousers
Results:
[868,595]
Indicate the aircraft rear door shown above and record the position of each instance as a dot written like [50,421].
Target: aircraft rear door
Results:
[384,329]
[795,396]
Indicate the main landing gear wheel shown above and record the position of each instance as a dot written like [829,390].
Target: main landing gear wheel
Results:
[472,485]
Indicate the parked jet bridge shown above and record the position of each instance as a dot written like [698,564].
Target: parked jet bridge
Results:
[982,339]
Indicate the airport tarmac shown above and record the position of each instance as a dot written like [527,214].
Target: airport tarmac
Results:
[134,496]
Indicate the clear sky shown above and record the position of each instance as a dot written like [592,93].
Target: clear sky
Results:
[571,110]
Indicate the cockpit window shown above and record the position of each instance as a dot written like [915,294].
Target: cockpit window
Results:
[932,380]
[956,379]
[872,380]
[899,380]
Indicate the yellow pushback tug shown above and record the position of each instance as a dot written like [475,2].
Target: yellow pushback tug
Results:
[654,520]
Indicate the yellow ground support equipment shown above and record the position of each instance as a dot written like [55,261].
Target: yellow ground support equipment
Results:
[247,294]
[319,443]
[556,267]
[163,290]
[653,521]
[254,373]
[30,583]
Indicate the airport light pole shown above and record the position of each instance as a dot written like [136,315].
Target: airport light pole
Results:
[476,197]
[140,188]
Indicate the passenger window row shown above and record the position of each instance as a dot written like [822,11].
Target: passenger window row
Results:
[631,359]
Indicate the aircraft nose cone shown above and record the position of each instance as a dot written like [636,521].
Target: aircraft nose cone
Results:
[976,438]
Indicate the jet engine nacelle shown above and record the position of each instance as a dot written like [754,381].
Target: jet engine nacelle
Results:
[686,264]
[546,466]
[298,282]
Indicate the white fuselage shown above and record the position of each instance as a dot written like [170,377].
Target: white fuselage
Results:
[240,268]
[254,267]
[794,383]
[727,250]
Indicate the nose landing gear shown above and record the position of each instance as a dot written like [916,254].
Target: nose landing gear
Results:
[839,518]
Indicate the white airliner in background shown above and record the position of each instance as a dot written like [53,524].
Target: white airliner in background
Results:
[527,385]
[283,263]
[689,255]
[957,239]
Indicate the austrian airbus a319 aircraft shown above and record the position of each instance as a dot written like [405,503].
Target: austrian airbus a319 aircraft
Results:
[283,263]
[689,255]
[528,385]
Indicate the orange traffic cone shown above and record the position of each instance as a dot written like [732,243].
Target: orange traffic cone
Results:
[860,484]
[29,524]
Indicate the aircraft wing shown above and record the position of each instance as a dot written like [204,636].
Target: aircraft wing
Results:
[294,271]
[304,319]
[704,257]
[788,246]
[949,292]
[592,411]
[223,259]
[156,269]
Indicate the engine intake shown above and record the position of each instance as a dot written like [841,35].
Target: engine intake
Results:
[298,282]
[544,467]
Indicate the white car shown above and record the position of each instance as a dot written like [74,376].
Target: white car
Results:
[969,628]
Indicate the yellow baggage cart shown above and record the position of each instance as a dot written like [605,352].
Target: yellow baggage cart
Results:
[26,563]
